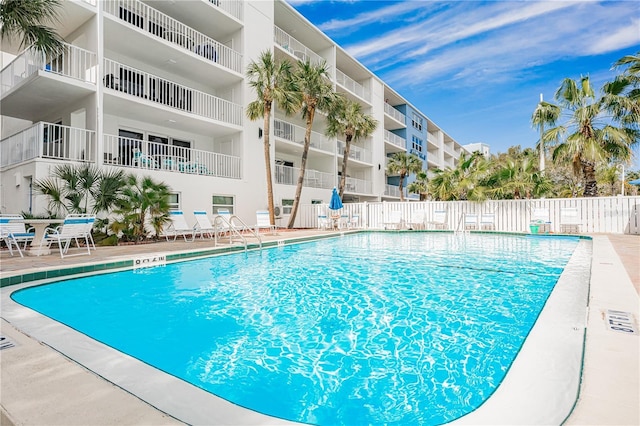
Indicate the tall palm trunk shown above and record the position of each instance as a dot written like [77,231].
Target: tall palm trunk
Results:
[401,186]
[267,162]
[590,182]
[303,166]
[345,160]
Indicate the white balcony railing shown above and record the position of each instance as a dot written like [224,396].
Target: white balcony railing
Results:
[394,139]
[47,140]
[359,186]
[296,48]
[232,7]
[292,133]
[74,62]
[139,154]
[355,152]
[287,175]
[394,113]
[353,86]
[394,190]
[143,85]
[140,15]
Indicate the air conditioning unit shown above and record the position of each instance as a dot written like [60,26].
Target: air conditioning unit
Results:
[277,212]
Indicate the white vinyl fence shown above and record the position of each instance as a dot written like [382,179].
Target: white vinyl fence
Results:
[613,215]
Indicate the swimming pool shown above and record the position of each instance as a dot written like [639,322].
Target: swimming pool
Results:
[275,331]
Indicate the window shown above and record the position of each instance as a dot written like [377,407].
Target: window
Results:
[416,121]
[287,205]
[174,201]
[222,202]
[156,147]
[127,142]
[316,201]
[416,144]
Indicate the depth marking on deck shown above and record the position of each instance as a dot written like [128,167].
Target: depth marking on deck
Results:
[622,322]
[150,261]
[6,343]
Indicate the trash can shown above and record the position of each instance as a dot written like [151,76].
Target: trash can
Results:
[534,228]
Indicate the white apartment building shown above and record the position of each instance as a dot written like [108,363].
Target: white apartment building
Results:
[158,87]
[482,148]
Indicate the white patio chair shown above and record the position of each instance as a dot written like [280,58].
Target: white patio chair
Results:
[439,220]
[75,228]
[354,222]
[418,218]
[264,222]
[13,232]
[203,225]
[488,221]
[570,220]
[91,220]
[470,221]
[179,226]
[393,220]
[542,218]
[324,221]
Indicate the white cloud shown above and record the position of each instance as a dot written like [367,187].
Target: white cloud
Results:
[626,36]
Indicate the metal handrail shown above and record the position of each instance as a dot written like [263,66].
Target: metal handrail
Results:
[245,227]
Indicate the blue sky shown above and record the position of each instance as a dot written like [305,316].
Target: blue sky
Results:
[477,68]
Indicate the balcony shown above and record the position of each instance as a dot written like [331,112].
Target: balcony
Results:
[286,175]
[399,143]
[357,186]
[295,48]
[48,140]
[182,42]
[394,119]
[394,191]
[432,140]
[232,7]
[139,154]
[353,86]
[31,85]
[292,133]
[142,85]
[355,152]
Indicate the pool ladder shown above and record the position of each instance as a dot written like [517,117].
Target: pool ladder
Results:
[234,232]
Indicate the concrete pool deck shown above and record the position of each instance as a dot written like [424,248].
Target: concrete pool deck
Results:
[42,386]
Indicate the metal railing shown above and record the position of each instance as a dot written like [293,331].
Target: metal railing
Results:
[292,133]
[353,86]
[232,7]
[359,186]
[146,18]
[394,190]
[355,152]
[394,139]
[394,113]
[74,62]
[287,175]
[140,154]
[141,84]
[48,140]
[293,46]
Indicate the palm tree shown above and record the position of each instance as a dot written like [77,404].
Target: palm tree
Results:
[346,118]
[464,182]
[622,95]
[26,19]
[587,136]
[316,92]
[518,177]
[272,81]
[403,164]
[420,185]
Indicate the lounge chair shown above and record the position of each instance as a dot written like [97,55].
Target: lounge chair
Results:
[488,221]
[143,160]
[90,221]
[203,225]
[470,221]
[354,222]
[542,218]
[418,218]
[394,220]
[569,220]
[439,220]
[223,224]
[13,232]
[74,228]
[264,222]
[324,221]
[178,226]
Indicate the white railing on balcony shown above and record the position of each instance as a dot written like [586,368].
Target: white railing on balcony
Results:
[74,62]
[394,190]
[353,86]
[47,140]
[91,2]
[448,150]
[293,46]
[287,175]
[355,152]
[432,138]
[394,139]
[232,7]
[394,113]
[140,15]
[143,85]
[359,186]
[295,134]
[139,154]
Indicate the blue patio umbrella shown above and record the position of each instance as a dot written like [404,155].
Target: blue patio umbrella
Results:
[336,202]
[634,182]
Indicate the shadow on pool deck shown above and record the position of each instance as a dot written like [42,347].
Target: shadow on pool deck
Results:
[41,386]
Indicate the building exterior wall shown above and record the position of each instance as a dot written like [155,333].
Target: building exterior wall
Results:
[184,81]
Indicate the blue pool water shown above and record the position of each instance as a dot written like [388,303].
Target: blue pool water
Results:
[373,328]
